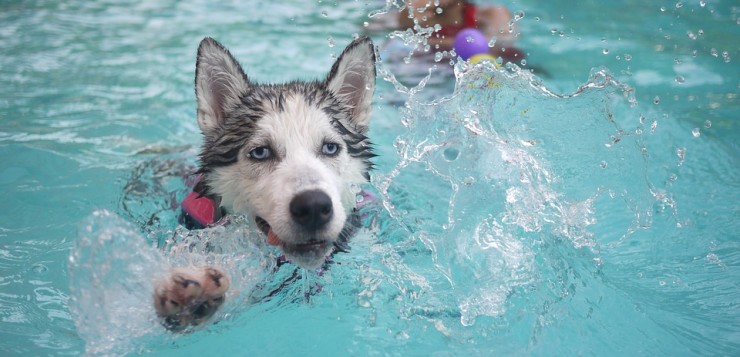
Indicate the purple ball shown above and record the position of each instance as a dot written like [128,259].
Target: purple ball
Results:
[470,42]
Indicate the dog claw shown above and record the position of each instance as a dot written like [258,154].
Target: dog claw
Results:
[190,296]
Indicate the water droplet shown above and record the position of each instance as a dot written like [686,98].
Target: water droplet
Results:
[518,15]
[680,80]
[524,62]
[469,39]
[662,9]
[661,283]
[691,35]
[451,154]
[553,30]
[537,18]
[627,57]
[679,5]
[492,42]
[696,132]
[438,56]
[656,100]
[726,56]
[707,124]
[39,268]
[605,51]
[603,164]
[324,13]
[681,153]
[365,24]
[331,41]
[702,3]
[468,181]
[714,52]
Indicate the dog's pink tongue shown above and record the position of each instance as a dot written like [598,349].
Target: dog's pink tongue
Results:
[272,238]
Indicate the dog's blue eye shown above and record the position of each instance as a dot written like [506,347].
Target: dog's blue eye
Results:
[260,153]
[330,149]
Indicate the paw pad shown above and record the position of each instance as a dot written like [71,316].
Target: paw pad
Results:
[190,296]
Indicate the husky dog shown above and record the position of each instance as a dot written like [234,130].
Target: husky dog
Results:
[291,156]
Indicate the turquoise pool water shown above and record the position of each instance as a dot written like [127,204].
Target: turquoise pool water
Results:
[588,209]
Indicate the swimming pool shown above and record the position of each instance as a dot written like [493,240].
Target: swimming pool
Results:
[514,221]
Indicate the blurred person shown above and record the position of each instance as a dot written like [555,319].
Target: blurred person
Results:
[452,16]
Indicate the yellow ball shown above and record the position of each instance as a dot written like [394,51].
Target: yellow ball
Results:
[482,57]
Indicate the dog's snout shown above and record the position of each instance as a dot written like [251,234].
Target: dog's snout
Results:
[311,209]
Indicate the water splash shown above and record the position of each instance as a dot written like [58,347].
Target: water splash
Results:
[504,171]
[113,271]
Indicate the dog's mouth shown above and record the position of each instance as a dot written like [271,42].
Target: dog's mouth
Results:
[311,246]
[272,238]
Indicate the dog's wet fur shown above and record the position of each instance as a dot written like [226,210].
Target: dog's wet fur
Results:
[290,156]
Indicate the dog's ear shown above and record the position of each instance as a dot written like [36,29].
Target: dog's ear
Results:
[352,79]
[219,83]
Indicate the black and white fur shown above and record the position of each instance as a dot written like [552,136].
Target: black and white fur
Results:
[291,156]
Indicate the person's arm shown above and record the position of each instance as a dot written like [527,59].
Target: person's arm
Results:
[428,17]
[494,21]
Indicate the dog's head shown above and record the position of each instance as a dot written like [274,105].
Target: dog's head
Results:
[290,155]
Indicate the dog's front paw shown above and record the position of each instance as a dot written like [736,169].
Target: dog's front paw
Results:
[190,296]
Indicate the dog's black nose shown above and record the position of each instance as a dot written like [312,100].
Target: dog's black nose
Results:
[311,209]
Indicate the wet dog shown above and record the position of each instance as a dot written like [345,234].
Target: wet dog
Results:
[290,156]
